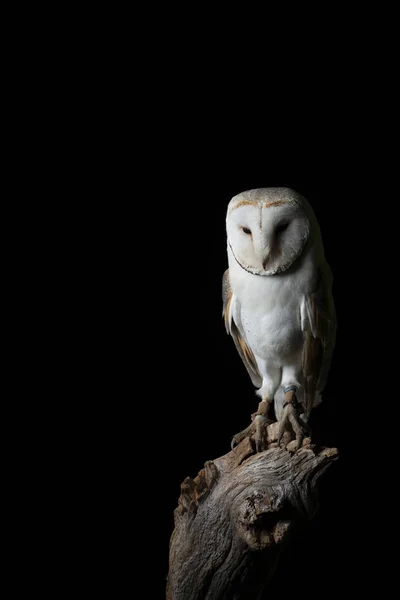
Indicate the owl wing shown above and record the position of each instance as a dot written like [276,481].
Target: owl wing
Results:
[229,303]
[318,318]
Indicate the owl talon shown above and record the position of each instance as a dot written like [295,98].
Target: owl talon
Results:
[261,423]
[260,444]
[256,430]
[241,435]
[291,421]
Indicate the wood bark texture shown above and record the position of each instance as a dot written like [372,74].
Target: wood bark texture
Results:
[235,518]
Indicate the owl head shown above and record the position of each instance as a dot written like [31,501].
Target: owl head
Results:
[268,228]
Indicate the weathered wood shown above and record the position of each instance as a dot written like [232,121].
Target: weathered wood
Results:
[235,517]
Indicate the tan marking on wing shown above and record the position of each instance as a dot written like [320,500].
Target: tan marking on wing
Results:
[226,299]
[247,353]
[243,349]
[226,310]
[311,365]
[319,341]
[274,203]
[312,354]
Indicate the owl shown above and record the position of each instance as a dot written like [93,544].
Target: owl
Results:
[278,307]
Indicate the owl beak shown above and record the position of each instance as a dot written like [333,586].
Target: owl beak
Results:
[265,262]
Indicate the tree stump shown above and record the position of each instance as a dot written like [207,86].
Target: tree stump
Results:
[235,518]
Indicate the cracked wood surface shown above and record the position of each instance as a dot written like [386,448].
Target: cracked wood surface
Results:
[235,517]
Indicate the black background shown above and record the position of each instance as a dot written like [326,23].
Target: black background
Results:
[152,163]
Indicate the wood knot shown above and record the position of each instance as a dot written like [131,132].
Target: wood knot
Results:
[262,522]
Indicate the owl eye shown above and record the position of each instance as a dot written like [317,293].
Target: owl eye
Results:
[282,227]
[246,230]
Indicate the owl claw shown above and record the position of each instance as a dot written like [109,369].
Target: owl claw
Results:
[291,417]
[256,431]
[261,423]
[259,445]
[241,435]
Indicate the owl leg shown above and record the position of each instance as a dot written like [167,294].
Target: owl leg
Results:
[291,417]
[257,428]
[261,421]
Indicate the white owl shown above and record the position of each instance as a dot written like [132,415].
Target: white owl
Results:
[278,306]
